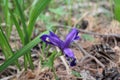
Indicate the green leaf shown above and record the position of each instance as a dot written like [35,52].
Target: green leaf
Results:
[47,21]
[75,73]
[117,9]
[21,14]
[21,2]
[44,18]
[8,20]
[26,38]
[35,11]
[6,47]
[117,2]
[17,27]
[58,11]
[50,62]
[21,52]
[88,37]
[4,44]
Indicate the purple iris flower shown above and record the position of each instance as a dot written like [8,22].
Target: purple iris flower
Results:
[63,45]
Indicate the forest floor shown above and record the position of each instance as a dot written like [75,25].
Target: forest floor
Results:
[97,52]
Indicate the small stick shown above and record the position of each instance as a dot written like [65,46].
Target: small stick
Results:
[97,34]
[88,55]
[66,65]
[64,62]
[89,32]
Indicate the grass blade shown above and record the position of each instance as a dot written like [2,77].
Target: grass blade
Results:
[2,44]
[117,9]
[36,10]
[21,52]
[17,27]
[21,16]
[26,38]
[6,47]
[7,18]
[5,43]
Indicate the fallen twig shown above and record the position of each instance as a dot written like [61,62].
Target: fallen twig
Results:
[86,54]
[98,34]
[89,32]
[64,62]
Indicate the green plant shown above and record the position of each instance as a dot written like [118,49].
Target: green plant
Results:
[7,50]
[17,17]
[22,51]
[75,73]
[47,21]
[117,9]
[58,11]
[49,62]
[8,22]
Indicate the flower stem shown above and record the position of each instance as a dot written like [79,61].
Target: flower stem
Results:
[66,65]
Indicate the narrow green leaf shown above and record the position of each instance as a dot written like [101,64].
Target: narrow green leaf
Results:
[5,6]
[7,18]
[75,73]
[35,11]
[22,17]
[58,11]
[21,52]
[50,62]
[17,27]
[117,2]
[117,9]
[2,45]
[6,47]
[21,2]
[5,43]
[26,38]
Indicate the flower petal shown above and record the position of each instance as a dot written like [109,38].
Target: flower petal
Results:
[71,61]
[45,38]
[73,35]
[56,41]
[53,35]
[70,57]
[68,52]
[52,39]
[77,38]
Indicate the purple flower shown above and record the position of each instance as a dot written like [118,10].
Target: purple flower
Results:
[63,45]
